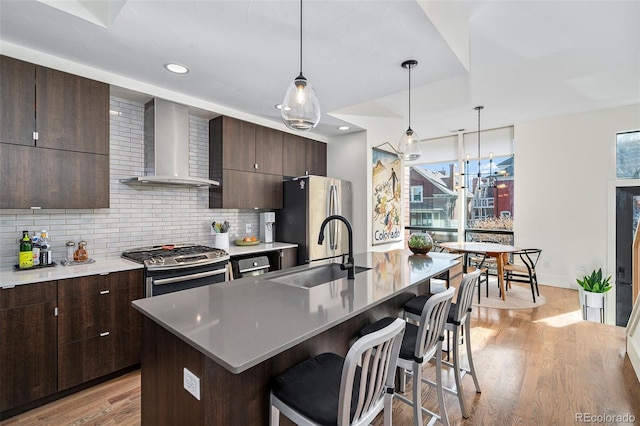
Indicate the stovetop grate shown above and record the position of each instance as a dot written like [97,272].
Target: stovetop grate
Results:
[167,252]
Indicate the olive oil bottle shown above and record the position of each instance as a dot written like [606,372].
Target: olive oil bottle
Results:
[26,251]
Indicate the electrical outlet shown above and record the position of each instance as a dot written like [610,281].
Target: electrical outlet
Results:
[580,266]
[546,263]
[247,228]
[192,383]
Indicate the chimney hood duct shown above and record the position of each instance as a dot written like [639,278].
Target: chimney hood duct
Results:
[166,147]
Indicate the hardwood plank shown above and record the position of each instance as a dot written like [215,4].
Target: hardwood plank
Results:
[535,366]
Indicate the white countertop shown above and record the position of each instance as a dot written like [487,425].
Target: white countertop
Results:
[13,277]
[243,322]
[10,277]
[235,250]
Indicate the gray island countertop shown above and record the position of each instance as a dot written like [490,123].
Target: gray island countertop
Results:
[241,323]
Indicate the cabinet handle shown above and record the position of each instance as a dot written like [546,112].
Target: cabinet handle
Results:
[104,292]
[106,333]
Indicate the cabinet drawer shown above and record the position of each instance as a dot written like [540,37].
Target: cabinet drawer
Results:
[98,284]
[27,294]
[84,360]
[83,286]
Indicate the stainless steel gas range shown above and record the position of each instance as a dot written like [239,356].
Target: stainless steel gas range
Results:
[170,268]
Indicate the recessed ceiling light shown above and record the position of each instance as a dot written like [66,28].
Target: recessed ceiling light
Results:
[177,68]
[279,106]
[344,128]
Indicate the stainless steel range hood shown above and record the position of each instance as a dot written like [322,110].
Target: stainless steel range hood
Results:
[166,147]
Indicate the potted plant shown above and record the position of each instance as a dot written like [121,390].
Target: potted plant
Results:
[593,289]
[420,243]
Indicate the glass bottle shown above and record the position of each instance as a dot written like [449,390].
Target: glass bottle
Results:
[70,245]
[25,259]
[81,255]
[45,249]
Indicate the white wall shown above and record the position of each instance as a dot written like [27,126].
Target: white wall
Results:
[359,158]
[564,166]
[345,160]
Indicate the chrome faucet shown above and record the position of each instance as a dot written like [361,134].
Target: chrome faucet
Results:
[349,266]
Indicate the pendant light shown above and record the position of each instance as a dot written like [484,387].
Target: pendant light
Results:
[300,108]
[409,146]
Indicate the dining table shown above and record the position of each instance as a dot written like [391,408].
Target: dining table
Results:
[498,251]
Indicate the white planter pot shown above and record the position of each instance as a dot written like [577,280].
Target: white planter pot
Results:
[593,305]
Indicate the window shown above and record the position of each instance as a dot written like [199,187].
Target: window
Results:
[628,155]
[485,169]
[415,194]
[434,199]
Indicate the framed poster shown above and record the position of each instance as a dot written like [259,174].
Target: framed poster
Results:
[386,170]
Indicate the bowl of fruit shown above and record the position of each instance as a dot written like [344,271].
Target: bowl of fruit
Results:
[247,241]
[420,243]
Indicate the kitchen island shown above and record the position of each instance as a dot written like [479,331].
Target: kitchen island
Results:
[235,336]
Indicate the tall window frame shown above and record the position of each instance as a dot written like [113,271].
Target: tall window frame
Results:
[496,154]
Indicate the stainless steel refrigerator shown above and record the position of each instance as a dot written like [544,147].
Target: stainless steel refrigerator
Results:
[307,202]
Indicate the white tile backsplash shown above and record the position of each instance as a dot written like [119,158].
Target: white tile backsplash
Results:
[138,215]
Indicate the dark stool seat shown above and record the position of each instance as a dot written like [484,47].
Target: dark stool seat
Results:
[329,389]
[313,388]
[415,306]
[408,341]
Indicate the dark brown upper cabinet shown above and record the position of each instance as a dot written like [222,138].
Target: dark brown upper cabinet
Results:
[304,156]
[247,161]
[72,112]
[54,147]
[52,109]
[17,101]
[316,158]
[248,147]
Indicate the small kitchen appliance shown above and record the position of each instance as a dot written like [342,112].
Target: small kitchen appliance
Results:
[267,224]
[170,268]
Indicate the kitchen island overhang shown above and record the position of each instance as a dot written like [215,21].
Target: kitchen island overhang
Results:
[235,336]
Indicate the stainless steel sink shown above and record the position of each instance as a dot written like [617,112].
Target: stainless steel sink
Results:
[315,276]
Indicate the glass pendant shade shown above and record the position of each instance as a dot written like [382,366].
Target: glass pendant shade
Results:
[300,107]
[409,146]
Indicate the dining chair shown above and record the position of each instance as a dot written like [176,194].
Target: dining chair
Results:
[420,344]
[524,272]
[478,262]
[458,323]
[331,390]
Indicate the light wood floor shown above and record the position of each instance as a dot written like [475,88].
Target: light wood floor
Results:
[538,366]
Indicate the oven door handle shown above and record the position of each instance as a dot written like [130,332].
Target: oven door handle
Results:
[189,277]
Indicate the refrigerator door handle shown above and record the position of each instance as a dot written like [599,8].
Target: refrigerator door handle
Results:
[334,208]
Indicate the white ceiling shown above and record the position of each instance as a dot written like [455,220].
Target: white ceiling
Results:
[526,60]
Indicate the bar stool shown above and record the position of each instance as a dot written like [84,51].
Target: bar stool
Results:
[458,321]
[420,344]
[331,390]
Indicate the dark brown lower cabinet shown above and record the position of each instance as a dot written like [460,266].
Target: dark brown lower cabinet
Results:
[28,350]
[289,258]
[98,329]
